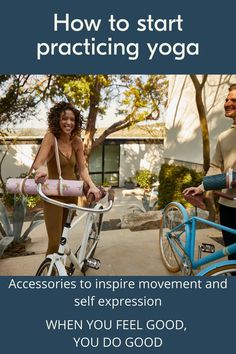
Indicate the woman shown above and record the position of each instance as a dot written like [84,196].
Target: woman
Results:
[64,123]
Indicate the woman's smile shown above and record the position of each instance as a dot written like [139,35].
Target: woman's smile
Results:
[67,121]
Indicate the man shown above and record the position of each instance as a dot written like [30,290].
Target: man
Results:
[223,159]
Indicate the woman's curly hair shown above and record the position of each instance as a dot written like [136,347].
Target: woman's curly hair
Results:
[54,118]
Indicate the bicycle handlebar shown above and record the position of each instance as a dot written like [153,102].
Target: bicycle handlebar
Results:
[224,195]
[74,206]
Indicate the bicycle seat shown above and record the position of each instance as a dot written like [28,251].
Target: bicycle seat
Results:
[197,201]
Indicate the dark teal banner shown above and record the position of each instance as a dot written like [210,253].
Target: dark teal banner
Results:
[117,315]
[117,37]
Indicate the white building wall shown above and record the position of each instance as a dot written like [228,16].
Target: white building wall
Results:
[134,157]
[18,160]
[183,135]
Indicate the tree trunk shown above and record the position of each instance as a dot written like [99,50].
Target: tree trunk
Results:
[205,139]
[204,130]
[92,117]
[203,120]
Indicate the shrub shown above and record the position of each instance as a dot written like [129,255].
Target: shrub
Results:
[31,200]
[106,183]
[145,178]
[173,180]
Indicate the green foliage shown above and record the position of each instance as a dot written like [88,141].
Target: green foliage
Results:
[106,183]
[18,98]
[145,179]
[31,200]
[12,231]
[83,89]
[173,180]
[8,199]
[138,97]
[141,98]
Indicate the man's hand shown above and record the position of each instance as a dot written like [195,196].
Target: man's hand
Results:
[193,191]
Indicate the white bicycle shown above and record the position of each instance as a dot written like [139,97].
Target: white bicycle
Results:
[57,264]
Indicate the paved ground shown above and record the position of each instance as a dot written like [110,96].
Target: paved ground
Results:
[121,252]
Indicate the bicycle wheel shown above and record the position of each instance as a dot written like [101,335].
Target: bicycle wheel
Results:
[44,268]
[224,270]
[169,242]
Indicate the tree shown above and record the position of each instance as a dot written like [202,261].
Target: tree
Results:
[20,95]
[199,86]
[202,118]
[138,98]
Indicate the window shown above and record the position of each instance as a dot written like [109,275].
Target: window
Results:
[104,163]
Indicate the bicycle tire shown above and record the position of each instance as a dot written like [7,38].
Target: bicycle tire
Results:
[225,270]
[44,267]
[172,216]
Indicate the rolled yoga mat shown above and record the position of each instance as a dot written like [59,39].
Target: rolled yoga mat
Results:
[52,187]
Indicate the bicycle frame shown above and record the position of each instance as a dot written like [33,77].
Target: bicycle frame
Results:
[189,225]
[64,250]
[82,256]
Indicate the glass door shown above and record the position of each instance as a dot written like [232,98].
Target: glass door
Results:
[104,163]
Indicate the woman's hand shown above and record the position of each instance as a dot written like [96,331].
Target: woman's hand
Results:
[193,191]
[96,192]
[41,175]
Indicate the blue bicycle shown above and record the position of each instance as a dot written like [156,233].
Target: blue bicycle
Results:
[178,234]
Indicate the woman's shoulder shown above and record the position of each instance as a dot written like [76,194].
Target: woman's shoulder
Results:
[77,143]
[49,138]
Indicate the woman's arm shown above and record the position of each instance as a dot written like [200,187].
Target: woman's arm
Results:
[82,169]
[43,156]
